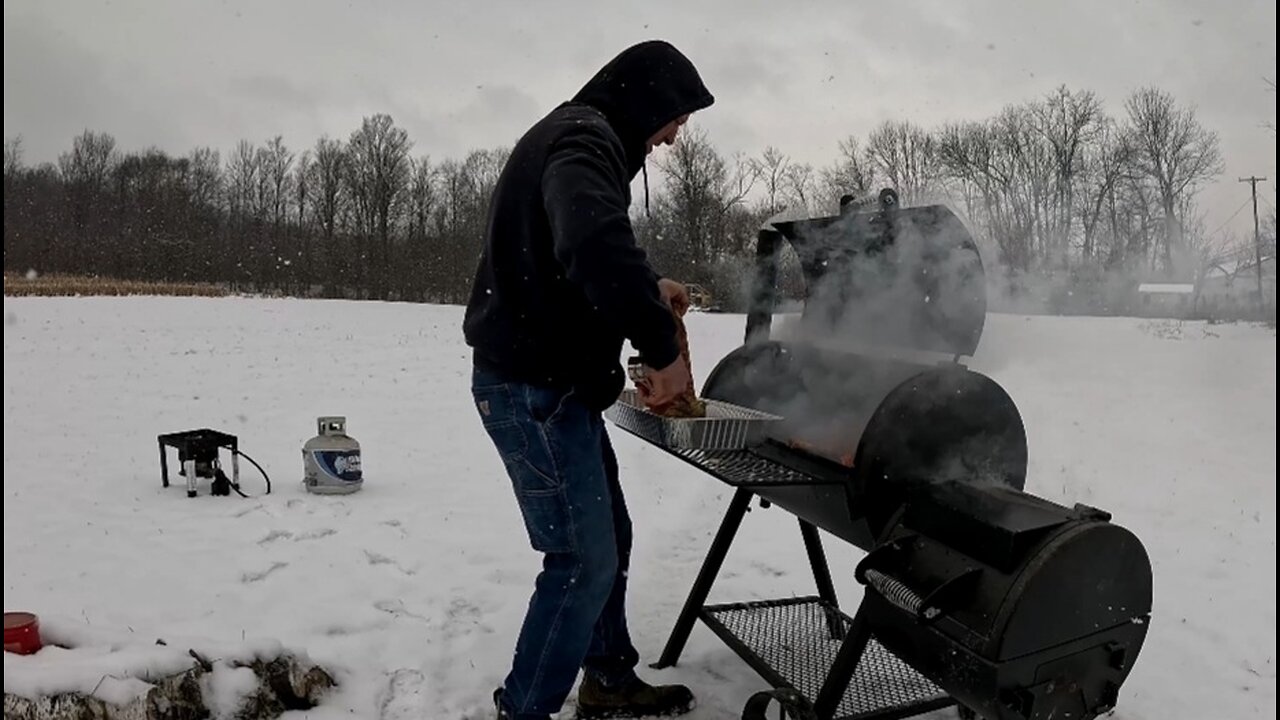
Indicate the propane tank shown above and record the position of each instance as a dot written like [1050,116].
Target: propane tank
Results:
[331,459]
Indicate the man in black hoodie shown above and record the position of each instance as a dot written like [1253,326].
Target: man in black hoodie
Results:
[561,284]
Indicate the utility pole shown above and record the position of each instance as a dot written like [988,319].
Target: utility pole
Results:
[1257,235]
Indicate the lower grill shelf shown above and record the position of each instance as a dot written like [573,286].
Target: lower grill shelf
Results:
[794,642]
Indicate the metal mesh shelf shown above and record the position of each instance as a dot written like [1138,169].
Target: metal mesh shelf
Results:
[794,638]
[743,467]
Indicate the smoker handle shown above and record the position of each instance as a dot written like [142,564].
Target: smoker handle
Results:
[898,594]
[763,297]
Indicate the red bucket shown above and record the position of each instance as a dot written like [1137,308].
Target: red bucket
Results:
[21,633]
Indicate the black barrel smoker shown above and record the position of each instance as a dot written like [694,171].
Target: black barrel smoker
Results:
[977,594]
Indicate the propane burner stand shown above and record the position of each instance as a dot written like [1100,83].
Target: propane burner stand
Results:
[198,458]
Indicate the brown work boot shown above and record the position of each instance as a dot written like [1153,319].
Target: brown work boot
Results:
[636,699]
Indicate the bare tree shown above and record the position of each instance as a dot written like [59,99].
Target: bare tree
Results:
[906,156]
[90,159]
[772,168]
[422,197]
[263,195]
[277,160]
[302,196]
[12,156]
[12,167]
[1068,122]
[204,178]
[1174,152]
[86,171]
[1000,169]
[1024,161]
[1106,163]
[694,173]
[467,188]
[326,181]
[243,170]
[800,185]
[486,166]
[452,259]
[852,174]
[964,154]
[1049,185]
[742,178]
[702,190]
[302,187]
[244,183]
[274,193]
[378,176]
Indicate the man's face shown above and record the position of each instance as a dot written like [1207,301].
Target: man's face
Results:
[666,135]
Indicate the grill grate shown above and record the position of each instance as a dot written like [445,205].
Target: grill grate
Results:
[744,467]
[794,638]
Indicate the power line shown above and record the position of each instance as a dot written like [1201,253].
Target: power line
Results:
[1226,222]
[1264,199]
[1257,235]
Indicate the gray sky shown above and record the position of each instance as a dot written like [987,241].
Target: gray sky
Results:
[798,75]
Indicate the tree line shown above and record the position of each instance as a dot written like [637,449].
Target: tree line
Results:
[1055,186]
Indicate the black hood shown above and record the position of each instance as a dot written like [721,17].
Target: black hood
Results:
[645,87]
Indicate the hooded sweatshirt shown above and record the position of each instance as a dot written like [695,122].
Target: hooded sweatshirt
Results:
[561,282]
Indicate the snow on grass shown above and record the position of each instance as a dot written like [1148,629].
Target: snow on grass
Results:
[412,590]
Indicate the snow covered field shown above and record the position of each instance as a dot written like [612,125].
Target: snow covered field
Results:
[413,589]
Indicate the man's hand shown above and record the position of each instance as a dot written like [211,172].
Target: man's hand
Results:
[660,387]
[675,295]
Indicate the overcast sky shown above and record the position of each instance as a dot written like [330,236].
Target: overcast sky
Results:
[797,75]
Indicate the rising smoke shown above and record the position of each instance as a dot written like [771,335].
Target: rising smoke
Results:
[892,300]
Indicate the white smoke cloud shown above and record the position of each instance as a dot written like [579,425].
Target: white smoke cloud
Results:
[879,320]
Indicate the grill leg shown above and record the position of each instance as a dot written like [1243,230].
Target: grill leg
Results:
[851,649]
[841,674]
[706,576]
[822,576]
[164,466]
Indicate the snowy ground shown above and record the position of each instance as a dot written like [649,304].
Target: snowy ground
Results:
[413,589]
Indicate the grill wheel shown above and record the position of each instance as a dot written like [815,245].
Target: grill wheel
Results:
[785,704]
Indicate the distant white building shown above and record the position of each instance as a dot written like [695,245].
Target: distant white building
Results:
[1175,289]
[1166,299]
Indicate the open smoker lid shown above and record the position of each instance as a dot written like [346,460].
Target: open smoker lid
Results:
[902,278]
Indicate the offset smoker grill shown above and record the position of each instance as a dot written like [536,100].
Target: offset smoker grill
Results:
[977,593]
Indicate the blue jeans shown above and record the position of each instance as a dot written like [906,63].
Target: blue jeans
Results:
[565,476]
